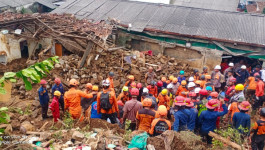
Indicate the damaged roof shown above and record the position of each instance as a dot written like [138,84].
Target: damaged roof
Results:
[172,19]
[19,3]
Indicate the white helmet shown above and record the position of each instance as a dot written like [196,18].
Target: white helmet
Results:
[243,67]
[231,65]
[191,84]
[105,83]
[197,90]
[218,67]
[170,86]
[191,79]
[145,90]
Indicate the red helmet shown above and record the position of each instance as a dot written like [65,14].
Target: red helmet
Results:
[232,80]
[256,74]
[149,87]
[133,84]
[245,105]
[189,103]
[203,92]
[57,80]
[120,103]
[214,94]
[179,101]
[139,85]
[192,94]
[179,98]
[43,82]
[211,104]
[159,83]
[134,92]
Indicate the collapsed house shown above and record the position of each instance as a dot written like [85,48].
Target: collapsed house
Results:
[200,37]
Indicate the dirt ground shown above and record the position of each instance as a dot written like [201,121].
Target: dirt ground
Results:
[14,65]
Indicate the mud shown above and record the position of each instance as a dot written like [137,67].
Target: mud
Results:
[98,123]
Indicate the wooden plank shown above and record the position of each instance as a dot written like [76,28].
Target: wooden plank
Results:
[87,52]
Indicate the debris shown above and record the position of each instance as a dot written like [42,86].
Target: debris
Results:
[78,136]
[224,140]
[26,126]
[8,129]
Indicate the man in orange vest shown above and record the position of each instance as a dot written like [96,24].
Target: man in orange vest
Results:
[164,100]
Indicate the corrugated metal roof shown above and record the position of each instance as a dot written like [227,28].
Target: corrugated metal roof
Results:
[187,21]
[18,3]
[227,5]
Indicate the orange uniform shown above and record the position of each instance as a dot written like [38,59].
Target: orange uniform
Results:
[153,91]
[203,83]
[112,100]
[145,118]
[159,126]
[180,90]
[164,100]
[196,78]
[111,82]
[260,89]
[72,100]
[124,98]
[233,109]
[128,83]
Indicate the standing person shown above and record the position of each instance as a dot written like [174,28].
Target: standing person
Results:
[230,90]
[196,75]
[182,89]
[201,105]
[110,78]
[238,65]
[181,76]
[124,95]
[203,81]
[87,102]
[170,93]
[181,115]
[164,100]
[145,116]
[259,93]
[238,93]
[208,118]
[229,76]
[94,106]
[72,100]
[159,86]
[216,78]
[191,87]
[54,106]
[129,81]
[161,124]
[256,70]
[241,120]
[205,71]
[164,80]
[140,88]
[234,108]
[153,89]
[224,65]
[229,69]
[44,98]
[208,82]
[242,75]
[131,108]
[175,85]
[58,86]
[251,85]
[88,88]
[258,132]
[193,112]
[107,103]
[150,76]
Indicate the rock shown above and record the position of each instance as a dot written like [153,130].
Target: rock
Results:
[78,136]
[35,113]
[11,115]
[116,83]
[61,61]
[15,124]
[26,126]
[45,136]
[94,75]
[22,87]
[57,66]
[9,129]
[75,77]
[36,103]
[3,125]
[67,66]
[83,76]
[23,118]
[68,143]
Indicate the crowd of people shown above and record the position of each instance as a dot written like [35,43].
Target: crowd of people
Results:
[199,103]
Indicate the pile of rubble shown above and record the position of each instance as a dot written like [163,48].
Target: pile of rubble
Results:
[99,64]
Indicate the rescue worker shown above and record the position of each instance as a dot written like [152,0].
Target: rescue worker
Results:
[87,102]
[242,75]
[216,78]
[110,78]
[258,132]
[72,100]
[259,93]
[203,81]
[196,75]
[147,95]
[204,71]
[251,85]
[153,89]
[201,105]
[140,88]
[170,79]
[131,108]
[233,108]
[198,83]
[94,113]
[182,89]
[208,82]
[256,70]
[229,76]
[150,76]
[160,125]
[229,69]
[175,85]
[124,95]
[238,93]
[159,86]
[196,91]
[191,79]
[229,90]
[193,97]
[129,81]
[88,88]
[207,119]
[181,76]
[107,103]
[54,106]
[181,115]
[163,99]
[164,80]
[58,86]
[44,98]
[170,93]
[145,116]
[241,120]
[191,87]
[193,112]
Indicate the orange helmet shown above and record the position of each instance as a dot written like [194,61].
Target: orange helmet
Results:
[184,82]
[198,82]
[171,78]
[74,82]
[175,80]
[131,77]
[208,77]
[163,79]
[214,94]
[162,110]
[89,85]
[147,102]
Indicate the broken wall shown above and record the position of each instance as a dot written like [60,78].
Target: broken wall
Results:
[11,46]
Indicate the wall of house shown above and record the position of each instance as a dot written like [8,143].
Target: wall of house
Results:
[11,46]
[195,57]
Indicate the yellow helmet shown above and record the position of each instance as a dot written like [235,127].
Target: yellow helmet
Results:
[183,82]
[171,78]
[125,89]
[94,88]
[239,87]
[57,93]
[164,92]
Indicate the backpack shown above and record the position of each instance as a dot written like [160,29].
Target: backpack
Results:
[104,101]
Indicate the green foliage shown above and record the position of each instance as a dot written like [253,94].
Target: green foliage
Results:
[128,132]
[68,121]
[33,73]
[4,117]
[58,135]
[16,110]
[28,110]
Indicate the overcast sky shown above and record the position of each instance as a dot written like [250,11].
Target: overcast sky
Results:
[154,1]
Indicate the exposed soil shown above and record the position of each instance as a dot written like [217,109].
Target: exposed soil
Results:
[98,123]
[14,65]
